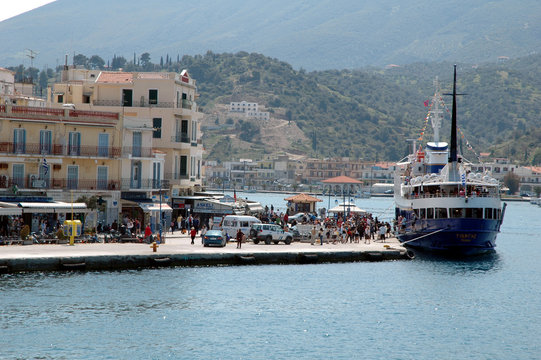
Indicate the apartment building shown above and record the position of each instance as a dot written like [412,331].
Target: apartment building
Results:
[58,155]
[160,132]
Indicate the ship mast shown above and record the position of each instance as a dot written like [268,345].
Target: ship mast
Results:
[436,113]
[453,156]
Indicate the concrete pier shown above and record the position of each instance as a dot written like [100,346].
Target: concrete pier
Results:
[177,251]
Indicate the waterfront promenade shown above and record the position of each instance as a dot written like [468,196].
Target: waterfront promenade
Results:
[177,251]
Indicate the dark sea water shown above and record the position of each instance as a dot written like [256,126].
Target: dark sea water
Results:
[482,308]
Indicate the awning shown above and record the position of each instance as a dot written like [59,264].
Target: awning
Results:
[155,207]
[11,211]
[53,207]
[348,208]
[255,207]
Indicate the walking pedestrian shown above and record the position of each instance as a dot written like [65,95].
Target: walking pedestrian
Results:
[313,234]
[321,236]
[240,235]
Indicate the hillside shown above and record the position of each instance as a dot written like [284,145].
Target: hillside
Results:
[366,113]
[314,35]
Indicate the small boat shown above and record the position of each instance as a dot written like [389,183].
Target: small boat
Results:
[440,205]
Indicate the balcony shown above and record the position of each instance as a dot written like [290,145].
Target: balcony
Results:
[60,184]
[39,114]
[141,103]
[187,104]
[184,138]
[144,184]
[55,149]
[136,151]
[175,178]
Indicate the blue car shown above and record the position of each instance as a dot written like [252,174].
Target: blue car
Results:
[214,237]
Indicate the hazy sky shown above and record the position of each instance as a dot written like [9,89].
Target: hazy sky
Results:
[10,8]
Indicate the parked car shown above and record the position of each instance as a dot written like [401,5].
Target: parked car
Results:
[269,233]
[299,217]
[214,237]
[232,223]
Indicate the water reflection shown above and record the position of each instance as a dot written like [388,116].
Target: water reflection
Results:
[463,266]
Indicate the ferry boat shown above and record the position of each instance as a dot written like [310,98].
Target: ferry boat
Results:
[440,205]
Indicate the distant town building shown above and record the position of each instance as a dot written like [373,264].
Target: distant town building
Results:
[249,110]
[17,93]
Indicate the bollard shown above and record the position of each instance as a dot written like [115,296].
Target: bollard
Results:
[154,246]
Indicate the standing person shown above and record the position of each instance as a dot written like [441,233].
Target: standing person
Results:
[148,233]
[203,232]
[321,235]
[313,234]
[137,227]
[192,234]
[240,235]
[172,226]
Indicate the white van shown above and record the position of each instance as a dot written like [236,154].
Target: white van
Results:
[232,223]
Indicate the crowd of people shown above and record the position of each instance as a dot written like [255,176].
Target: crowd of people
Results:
[352,228]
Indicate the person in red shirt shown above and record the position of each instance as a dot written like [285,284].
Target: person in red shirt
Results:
[148,233]
[192,234]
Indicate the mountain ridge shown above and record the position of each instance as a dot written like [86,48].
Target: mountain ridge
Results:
[314,35]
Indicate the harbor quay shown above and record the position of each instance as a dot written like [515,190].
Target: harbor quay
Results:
[178,251]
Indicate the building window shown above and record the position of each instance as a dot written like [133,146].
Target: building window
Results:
[137,143]
[127,97]
[156,175]
[103,144]
[194,131]
[60,99]
[102,177]
[45,141]
[19,141]
[153,96]
[18,175]
[74,143]
[73,176]
[157,125]
[183,166]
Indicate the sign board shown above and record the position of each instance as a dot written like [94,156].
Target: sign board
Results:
[202,206]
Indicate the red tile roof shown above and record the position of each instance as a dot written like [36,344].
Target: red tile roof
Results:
[342,180]
[113,77]
[153,75]
[302,198]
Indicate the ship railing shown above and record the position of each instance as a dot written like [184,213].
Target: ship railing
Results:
[440,195]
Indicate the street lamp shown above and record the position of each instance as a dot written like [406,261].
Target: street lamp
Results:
[160,229]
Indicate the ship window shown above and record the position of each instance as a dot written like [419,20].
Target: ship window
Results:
[488,213]
[457,212]
[477,213]
[430,213]
[441,213]
[422,213]
[416,211]
[499,214]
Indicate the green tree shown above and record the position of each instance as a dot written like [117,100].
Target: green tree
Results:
[118,62]
[512,181]
[96,62]
[80,59]
[43,79]
[145,60]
